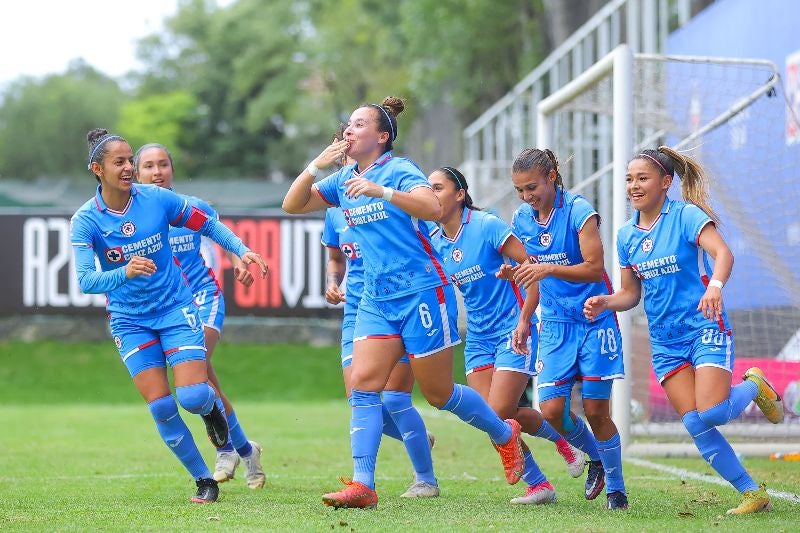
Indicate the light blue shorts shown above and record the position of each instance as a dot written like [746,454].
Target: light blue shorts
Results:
[425,321]
[590,351]
[710,347]
[173,338]
[211,306]
[495,352]
[348,325]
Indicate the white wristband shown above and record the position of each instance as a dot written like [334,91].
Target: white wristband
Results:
[312,169]
[387,194]
[715,283]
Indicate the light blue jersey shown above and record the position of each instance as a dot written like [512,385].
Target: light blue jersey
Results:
[140,229]
[399,258]
[186,245]
[337,234]
[471,259]
[674,271]
[556,241]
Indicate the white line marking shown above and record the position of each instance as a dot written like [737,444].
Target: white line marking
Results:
[681,473]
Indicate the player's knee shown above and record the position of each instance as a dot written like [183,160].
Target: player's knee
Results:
[693,423]
[163,409]
[504,409]
[396,401]
[715,416]
[197,398]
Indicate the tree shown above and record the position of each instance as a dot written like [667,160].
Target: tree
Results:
[43,124]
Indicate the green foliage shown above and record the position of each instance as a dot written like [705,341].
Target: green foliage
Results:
[43,124]
[162,118]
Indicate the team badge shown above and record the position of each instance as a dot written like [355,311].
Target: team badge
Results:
[457,255]
[545,239]
[647,244]
[114,255]
[539,365]
[128,228]
[118,342]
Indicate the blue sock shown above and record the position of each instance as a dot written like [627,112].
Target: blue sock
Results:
[718,453]
[546,431]
[177,436]
[365,434]
[389,427]
[470,407]
[413,431]
[533,474]
[611,455]
[582,438]
[237,436]
[725,411]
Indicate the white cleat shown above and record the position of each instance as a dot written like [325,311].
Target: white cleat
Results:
[225,466]
[421,489]
[537,495]
[573,457]
[255,472]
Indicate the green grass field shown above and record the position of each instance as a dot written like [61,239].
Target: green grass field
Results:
[80,452]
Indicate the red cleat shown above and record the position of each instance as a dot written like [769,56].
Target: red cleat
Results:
[355,496]
[511,454]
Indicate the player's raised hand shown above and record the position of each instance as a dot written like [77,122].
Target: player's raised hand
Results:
[711,303]
[333,153]
[594,306]
[362,187]
[248,258]
[140,266]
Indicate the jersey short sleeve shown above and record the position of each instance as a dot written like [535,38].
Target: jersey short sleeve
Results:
[408,176]
[693,220]
[330,237]
[330,186]
[495,231]
[581,211]
[623,255]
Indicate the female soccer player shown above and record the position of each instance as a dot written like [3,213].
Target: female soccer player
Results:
[151,313]
[501,333]
[401,420]
[560,231]
[664,249]
[153,165]
[406,298]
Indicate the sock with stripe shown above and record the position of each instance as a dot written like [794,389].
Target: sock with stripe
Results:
[546,431]
[389,427]
[718,453]
[177,436]
[611,456]
[237,436]
[533,475]
[365,434]
[470,407]
[413,432]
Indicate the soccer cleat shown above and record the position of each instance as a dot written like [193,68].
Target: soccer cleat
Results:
[576,463]
[225,466]
[595,480]
[617,501]
[255,472]
[207,491]
[753,501]
[431,440]
[216,427]
[421,489]
[537,495]
[355,495]
[511,454]
[767,399]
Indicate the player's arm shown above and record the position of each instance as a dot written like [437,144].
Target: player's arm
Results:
[712,242]
[626,298]
[514,249]
[589,271]
[419,202]
[335,269]
[302,197]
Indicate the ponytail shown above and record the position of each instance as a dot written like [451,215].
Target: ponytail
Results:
[455,176]
[694,182]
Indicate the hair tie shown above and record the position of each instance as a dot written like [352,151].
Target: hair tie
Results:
[391,128]
[458,181]
[657,163]
[102,141]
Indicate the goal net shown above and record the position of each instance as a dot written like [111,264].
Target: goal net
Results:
[737,118]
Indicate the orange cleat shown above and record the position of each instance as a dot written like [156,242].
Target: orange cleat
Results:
[355,495]
[511,454]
